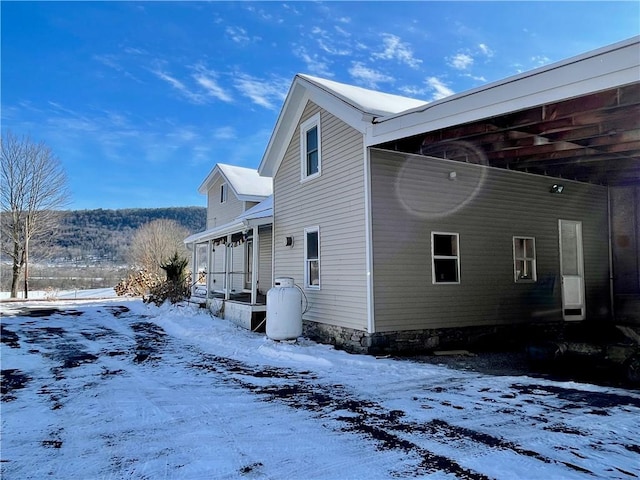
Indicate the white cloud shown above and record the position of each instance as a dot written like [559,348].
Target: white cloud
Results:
[238,35]
[207,80]
[328,42]
[461,61]
[367,76]
[439,88]
[485,50]
[225,133]
[395,49]
[181,87]
[266,93]
[413,91]
[540,60]
[314,63]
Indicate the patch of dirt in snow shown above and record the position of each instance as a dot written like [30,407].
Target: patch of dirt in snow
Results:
[150,341]
[12,379]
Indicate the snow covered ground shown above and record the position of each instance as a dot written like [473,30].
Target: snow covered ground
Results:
[64,294]
[118,389]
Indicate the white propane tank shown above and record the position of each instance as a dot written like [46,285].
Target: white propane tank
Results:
[284,310]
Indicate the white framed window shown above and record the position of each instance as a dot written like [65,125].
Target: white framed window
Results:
[310,148]
[445,257]
[524,259]
[223,193]
[312,258]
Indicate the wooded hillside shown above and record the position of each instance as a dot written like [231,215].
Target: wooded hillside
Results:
[103,236]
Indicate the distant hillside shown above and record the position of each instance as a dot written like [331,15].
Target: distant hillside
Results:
[104,235]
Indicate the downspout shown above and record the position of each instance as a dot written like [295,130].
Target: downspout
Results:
[611,294]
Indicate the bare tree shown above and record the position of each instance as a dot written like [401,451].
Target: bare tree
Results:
[155,243]
[33,192]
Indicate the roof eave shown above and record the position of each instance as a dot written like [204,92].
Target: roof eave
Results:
[301,91]
[608,67]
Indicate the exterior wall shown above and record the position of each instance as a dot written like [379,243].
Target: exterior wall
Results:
[412,196]
[221,213]
[266,256]
[334,202]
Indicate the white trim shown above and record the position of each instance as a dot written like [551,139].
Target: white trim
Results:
[533,260]
[573,278]
[309,124]
[368,222]
[224,192]
[306,260]
[445,257]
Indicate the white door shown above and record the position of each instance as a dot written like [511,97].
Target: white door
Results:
[572,270]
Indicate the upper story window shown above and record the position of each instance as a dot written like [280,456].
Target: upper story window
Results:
[312,258]
[223,193]
[310,148]
[445,254]
[524,259]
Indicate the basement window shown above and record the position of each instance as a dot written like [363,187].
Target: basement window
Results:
[445,254]
[524,259]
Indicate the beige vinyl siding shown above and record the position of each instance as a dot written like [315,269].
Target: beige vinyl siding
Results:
[266,254]
[334,202]
[221,213]
[508,204]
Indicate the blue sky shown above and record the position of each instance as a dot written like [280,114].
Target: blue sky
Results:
[140,100]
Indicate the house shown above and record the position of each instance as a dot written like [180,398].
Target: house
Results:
[413,225]
[232,257]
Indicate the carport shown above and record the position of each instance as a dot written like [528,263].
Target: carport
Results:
[575,120]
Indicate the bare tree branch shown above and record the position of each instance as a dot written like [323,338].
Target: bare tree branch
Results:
[33,192]
[154,244]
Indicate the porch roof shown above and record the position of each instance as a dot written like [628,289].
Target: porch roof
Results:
[261,214]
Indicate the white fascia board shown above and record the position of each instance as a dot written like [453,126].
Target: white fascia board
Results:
[287,121]
[301,92]
[204,186]
[251,198]
[604,69]
[231,227]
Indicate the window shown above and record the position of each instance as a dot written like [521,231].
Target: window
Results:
[524,259]
[446,258]
[223,193]
[310,148]
[312,258]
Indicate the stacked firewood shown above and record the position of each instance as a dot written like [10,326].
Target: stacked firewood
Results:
[137,284]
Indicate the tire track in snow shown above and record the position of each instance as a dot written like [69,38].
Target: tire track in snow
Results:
[385,427]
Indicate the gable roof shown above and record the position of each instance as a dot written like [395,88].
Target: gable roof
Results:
[356,106]
[245,183]
[367,101]
[385,118]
